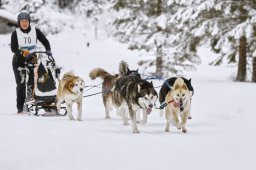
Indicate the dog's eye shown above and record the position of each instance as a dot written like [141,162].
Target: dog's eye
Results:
[145,98]
[75,84]
[183,95]
[178,95]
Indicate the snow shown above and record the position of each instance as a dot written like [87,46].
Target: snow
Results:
[220,135]
[5,14]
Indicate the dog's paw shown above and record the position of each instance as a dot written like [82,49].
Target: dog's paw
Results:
[71,118]
[178,126]
[166,129]
[184,130]
[136,131]
[107,117]
[125,123]
[79,119]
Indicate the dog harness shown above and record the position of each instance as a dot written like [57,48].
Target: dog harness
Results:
[175,105]
[27,41]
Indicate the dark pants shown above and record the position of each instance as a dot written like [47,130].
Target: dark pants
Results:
[20,87]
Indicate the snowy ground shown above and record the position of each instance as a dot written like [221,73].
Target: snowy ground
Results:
[220,135]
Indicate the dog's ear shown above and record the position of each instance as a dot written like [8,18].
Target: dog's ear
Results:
[139,88]
[137,70]
[184,86]
[189,80]
[128,71]
[151,83]
[176,87]
[71,85]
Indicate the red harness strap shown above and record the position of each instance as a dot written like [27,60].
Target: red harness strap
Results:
[170,101]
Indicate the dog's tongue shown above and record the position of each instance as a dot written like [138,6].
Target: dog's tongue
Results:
[149,110]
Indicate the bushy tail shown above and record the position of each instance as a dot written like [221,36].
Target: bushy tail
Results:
[98,72]
[123,68]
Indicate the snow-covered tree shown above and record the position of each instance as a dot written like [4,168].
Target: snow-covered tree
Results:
[93,13]
[228,26]
[254,67]
[64,3]
[147,26]
[44,14]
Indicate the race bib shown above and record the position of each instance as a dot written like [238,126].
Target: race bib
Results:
[27,41]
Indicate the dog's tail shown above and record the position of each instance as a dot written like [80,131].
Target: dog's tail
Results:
[123,68]
[98,72]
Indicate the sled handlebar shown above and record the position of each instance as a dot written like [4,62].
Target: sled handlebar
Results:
[36,52]
[50,58]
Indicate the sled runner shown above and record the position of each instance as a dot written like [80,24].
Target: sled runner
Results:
[40,75]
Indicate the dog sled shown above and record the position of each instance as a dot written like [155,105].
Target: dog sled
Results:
[40,76]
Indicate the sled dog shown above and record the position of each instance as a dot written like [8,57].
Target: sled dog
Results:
[178,105]
[109,81]
[70,90]
[169,84]
[131,94]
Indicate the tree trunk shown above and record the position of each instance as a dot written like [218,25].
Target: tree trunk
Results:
[64,3]
[159,62]
[241,72]
[254,69]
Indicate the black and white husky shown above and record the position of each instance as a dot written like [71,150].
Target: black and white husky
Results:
[109,81]
[131,94]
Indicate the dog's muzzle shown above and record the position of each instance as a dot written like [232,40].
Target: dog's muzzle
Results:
[81,89]
[179,104]
[149,108]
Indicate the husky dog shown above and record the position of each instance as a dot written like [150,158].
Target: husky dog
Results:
[130,94]
[167,86]
[70,90]
[109,81]
[178,105]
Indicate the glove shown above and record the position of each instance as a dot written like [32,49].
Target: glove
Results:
[25,53]
[28,57]
[48,52]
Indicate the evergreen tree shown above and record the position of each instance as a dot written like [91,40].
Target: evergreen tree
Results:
[147,26]
[224,25]
[94,13]
[64,3]
[254,70]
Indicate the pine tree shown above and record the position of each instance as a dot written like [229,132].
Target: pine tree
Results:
[223,25]
[64,3]
[148,26]
[254,70]
[241,71]
[93,11]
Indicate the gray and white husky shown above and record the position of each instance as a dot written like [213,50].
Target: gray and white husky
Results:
[109,81]
[131,94]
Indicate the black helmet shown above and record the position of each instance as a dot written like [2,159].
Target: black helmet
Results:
[23,15]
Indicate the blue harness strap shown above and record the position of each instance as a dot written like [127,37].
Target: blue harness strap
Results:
[167,84]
